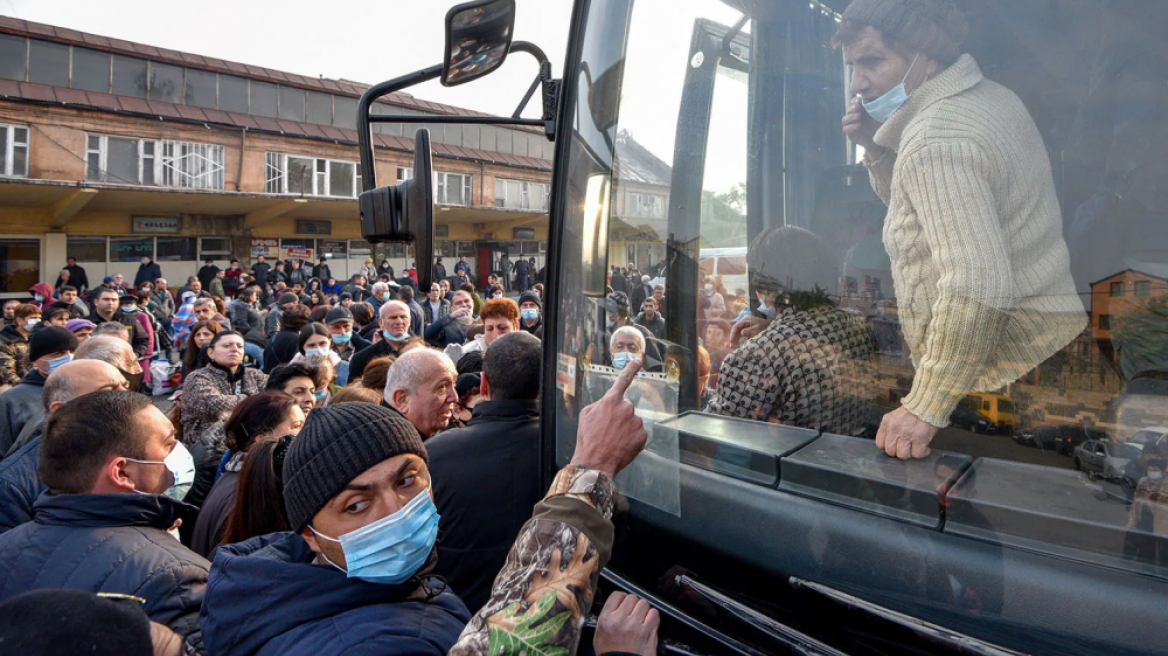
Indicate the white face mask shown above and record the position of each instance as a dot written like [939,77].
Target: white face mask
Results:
[709,288]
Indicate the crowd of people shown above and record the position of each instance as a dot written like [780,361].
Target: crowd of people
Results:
[345,469]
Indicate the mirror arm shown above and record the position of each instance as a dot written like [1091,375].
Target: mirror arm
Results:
[371,95]
[539,79]
[551,87]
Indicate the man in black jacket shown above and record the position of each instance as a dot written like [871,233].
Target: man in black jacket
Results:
[109,460]
[321,269]
[482,511]
[77,275]
[48,348]
[148,271]
[19,483]
[439,269]
[260,270]
[285,344]
[451,329]
[105,305]
[207,273]
[393,323]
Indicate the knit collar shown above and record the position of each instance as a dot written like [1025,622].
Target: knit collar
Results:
[963,75]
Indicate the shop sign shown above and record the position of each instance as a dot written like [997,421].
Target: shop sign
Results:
[334,247]
[162,225]
[268,247]
[298,253]
[306,227]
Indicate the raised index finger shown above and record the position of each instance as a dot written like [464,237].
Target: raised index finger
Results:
[625,378]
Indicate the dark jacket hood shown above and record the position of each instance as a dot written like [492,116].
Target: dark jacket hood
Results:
[44,289]
[274,577]
[33,377]
[10,334]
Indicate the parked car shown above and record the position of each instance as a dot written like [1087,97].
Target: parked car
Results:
[1064,439]
[1107,459]
[972,420]
[1151,435]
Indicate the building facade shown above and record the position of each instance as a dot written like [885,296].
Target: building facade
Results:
[111,150]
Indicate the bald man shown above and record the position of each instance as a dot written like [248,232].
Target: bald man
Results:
[420,385]
[19,483]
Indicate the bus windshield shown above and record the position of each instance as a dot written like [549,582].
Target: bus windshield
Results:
[814,265]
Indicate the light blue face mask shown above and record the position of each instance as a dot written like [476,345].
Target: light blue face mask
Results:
[56,362]
[393,338]
[181,465]
[321,394]
[621,360]
[393,548]
[308,353]
[38,298]
[530,314]
[343,338]
[885,106]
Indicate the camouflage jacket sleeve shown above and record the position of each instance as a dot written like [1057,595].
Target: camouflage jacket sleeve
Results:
[541,597]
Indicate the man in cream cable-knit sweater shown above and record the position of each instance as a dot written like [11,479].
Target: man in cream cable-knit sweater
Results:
[973,229]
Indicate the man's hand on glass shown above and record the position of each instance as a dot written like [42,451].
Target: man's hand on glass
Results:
[903,435]
[610,433]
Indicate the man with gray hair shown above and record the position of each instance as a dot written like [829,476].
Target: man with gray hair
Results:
[19,483]
[974,231]
[113,351]
[420,385]
[393,321]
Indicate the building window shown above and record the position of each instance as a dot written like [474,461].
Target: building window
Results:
[118,159]
[148,162]
[14,151]
[1143,289]
[1105,322]
[521,195]
[130,249]
[1117,289]
[647,206]
[404,173]
[85,249]
[20,265]
[311,176]
[192,165]
[452,189]
[176,249]
[218,248]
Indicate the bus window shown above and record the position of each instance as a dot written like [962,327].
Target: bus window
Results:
[919,278]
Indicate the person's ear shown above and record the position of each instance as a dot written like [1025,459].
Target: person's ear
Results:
[54,405]
[114,473]
[401,401]
[310,538]
[484,386]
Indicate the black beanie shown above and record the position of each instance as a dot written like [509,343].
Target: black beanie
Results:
[50,339]
[336,445]
[530,297]
[73,622]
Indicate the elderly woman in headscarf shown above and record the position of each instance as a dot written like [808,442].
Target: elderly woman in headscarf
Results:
[806,362]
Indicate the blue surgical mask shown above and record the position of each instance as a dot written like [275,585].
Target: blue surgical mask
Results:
[343,338]
[56,362]
[393,338]
[38,298]
[320,394]
[386,297]
[621,360]
[393,548]
[181,464]
[308,353]
[885,106]
[530,314]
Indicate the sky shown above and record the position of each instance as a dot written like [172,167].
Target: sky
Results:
[360,40]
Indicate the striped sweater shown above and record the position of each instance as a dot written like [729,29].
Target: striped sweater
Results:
[974,232]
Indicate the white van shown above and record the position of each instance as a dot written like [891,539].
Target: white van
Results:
[730,264]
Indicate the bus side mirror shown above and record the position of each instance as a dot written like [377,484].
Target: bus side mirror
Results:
[478,38]
[405,212]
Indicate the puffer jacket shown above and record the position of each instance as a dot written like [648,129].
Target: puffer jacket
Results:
[19,484]
[19,406]
[210,394]
[108,543]
[13,355]
[315,610]
[248,322]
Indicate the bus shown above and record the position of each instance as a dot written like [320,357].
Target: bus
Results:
[754,523]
